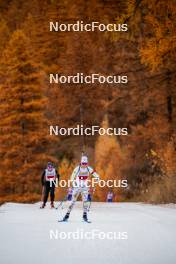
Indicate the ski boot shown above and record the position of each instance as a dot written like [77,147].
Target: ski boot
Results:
[42,206]
[66,217]
[85,219]
[52,205]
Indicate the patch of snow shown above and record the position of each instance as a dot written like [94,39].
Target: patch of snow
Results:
[150,229]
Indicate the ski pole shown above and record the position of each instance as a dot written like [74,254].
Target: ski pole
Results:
[42,196]
[91,201]
[61,202]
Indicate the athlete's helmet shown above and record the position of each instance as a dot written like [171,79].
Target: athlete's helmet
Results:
[84,160]
[50,165]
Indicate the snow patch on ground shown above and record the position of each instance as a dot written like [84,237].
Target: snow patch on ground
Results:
[25,234]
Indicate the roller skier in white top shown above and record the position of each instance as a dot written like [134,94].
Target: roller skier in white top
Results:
[80,176]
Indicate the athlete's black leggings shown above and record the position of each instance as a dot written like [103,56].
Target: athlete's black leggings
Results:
[48,190]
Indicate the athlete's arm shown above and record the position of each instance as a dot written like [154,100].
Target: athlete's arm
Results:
[93,173]
[43,178]
[57,175]
[74,174]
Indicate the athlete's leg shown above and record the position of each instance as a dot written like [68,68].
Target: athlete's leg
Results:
[84,194]
[76,192]
[52,194]
[46,192]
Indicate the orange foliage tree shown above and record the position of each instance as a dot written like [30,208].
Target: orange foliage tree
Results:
[23,135]
[109,160]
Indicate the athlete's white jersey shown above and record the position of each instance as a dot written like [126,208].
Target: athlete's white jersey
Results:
[109,195]
[50,174]
[81,175]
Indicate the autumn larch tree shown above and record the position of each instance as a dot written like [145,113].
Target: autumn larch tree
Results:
[24,137]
